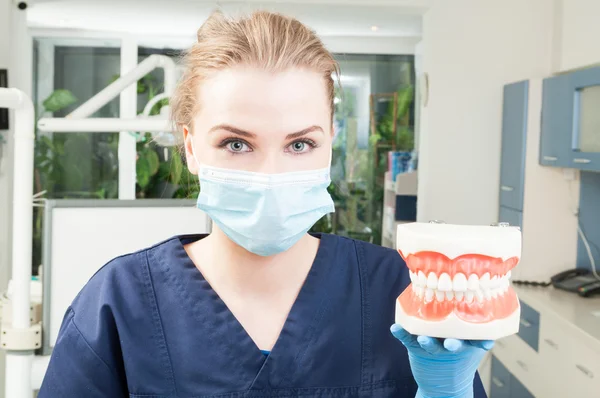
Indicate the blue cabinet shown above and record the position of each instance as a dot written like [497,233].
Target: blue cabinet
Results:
[504,384]
[557,122]
[514,134]
[511,216]
[518,390]
[585,134]
[500,378]
[529,326]
[570,135]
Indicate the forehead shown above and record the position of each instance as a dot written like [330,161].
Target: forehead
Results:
[259,100]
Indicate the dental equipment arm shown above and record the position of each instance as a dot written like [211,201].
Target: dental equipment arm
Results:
[79,121]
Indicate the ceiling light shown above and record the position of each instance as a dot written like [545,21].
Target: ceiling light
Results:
[374,28]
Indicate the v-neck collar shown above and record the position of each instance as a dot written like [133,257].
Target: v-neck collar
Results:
[296,334]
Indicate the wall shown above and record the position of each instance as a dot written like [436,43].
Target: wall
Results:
[549,205]
[577,47]
[14,55]
[470,50]
[589,219]
[370,45]
[578,34]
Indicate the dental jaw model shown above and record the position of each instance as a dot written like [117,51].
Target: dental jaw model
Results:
[459,280]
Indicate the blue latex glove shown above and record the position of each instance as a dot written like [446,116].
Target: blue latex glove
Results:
[442,369]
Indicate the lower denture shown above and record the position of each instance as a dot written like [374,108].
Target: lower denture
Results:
[487,310]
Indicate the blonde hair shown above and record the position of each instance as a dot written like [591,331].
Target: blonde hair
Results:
[263,39]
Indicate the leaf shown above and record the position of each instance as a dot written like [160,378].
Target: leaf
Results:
[176,167]
[142,170]
[374,139]
[58,100]
[47,142]
[141,87]
[405,99]
[153,161]
[164,171]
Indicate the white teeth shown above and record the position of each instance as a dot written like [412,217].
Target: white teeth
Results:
[439,295]
[458,288]
[494,282]
[432,281]
[445,283]
[484,281]
[479,296]
[508,274]
[428,295]
[469,297]
[473,283]
[487,294]
[418,290]
[421,279]
[459,284]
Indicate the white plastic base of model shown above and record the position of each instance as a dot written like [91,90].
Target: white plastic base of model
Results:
[455,328]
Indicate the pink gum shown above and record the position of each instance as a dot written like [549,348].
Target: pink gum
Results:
[467,264]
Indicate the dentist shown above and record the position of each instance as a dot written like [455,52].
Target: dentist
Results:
[258,308]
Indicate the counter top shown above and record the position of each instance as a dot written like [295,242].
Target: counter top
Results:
[581,313]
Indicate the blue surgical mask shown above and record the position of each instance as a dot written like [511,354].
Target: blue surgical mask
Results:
[264,213]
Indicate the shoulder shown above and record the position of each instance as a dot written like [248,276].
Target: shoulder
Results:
[382,266]
[117,291]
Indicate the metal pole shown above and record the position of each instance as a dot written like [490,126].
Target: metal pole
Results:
[18,363]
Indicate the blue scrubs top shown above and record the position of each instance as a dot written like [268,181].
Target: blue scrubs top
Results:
[148,325]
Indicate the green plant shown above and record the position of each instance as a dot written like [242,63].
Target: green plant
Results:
[161,171]
[380,144]
[404,138]
[71,165]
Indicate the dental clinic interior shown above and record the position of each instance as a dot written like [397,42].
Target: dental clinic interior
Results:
[460,111]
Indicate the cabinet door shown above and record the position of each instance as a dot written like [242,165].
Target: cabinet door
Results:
[518,390]
[500,380]
[529,329]
[557,122]
[585,137]
[511,216]
[514,129]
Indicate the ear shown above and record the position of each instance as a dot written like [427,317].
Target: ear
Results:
[188,142]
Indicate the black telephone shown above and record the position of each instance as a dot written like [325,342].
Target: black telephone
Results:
[577,280]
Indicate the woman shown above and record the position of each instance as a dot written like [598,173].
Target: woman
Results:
[258,308]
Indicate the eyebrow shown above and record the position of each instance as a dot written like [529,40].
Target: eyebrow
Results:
[248,134]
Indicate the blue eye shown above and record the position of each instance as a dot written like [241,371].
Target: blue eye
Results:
[301,146]
[298,146]
[236,146]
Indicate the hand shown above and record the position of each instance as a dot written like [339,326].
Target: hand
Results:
[442,369]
